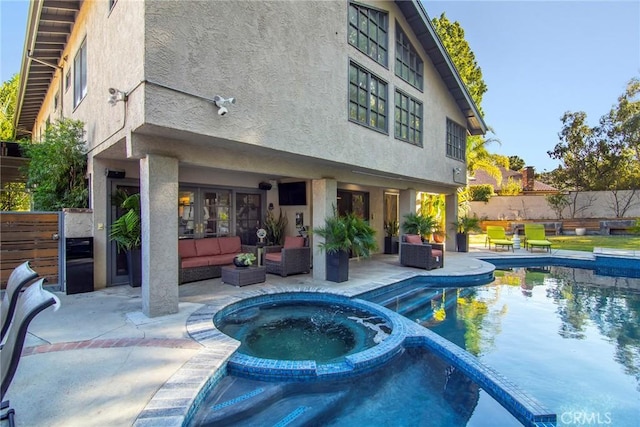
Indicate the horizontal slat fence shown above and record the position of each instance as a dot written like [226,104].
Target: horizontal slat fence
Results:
[29,236]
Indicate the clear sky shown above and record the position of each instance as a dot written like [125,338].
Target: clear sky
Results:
[539,59]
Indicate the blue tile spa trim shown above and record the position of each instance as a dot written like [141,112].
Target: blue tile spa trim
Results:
[307,370]
[405,333]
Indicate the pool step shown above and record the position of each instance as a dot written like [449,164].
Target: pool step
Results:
[254,403]
[395,300]
[412,300]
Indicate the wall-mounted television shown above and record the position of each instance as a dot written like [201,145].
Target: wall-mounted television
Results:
[292,193]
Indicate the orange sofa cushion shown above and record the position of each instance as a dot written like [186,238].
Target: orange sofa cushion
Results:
[222,259]
[413,238]
[187,248]
[293,242]
[230,245]
[194,262]
[206,247]
[274,256]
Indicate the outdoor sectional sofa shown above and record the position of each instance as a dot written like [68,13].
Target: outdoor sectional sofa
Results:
[202,259]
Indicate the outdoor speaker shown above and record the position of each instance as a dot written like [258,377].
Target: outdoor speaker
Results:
[264,186]
[114,173]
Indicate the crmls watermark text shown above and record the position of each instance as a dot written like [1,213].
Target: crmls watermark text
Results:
[583,418]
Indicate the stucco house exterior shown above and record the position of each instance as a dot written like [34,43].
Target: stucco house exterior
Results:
[358,100]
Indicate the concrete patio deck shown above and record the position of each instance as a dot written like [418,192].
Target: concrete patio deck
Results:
[99,361]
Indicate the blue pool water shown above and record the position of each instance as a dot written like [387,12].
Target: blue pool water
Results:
[565,335]
[570,338]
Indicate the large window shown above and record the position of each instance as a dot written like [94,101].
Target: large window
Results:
[408,119]
[80,75]
[456,140]
[367,98]
[408,62]
[368,31]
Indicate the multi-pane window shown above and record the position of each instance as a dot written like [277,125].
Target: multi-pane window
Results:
[368,31]
[456,140]
[408,118]
[367,98]
[80,75]
[408,63]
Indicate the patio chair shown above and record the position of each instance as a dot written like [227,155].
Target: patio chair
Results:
[19,277]
[497,236]
[415,253]
[30,302]
[292,258]
[535,236]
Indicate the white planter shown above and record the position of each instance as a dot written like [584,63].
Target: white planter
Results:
[581,231]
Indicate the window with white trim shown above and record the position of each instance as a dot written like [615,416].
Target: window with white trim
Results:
[409,65]
[80,75]
[368,31]
[456,140]
[367,98]
[408,118]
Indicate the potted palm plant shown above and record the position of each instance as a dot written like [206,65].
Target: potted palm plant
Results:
[126,232]
[422,225]
[464,225]
[344,235]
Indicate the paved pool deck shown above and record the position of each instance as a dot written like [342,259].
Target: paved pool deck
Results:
[98,361]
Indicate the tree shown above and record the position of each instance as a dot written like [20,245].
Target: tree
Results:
[515,163]
[452,36]
[14,197]
[57,167]
[8,95]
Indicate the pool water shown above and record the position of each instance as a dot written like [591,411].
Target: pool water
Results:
[565,335]
[321,332]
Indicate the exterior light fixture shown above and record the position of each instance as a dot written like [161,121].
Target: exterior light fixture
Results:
[222,104]
[116,95]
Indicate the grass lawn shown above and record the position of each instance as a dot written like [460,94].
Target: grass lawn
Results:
[581,243]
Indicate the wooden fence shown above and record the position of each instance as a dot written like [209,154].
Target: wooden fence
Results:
[29,236]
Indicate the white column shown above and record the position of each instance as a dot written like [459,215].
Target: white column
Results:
[159,207]
[100,206]
[451,215]
[325,193]
[406,204]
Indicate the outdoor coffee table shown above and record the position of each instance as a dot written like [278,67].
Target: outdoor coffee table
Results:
[242,276]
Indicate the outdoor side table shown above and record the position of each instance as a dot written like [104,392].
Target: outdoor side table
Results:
[243,276]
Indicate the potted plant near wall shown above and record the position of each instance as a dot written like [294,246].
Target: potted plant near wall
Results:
[422,225]
[391,238]
[126,232]
[275,227]
[464,225]
[344,235]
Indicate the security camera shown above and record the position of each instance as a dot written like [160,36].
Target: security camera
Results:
[116,95]
[222,111]
[113,91]
[220,102]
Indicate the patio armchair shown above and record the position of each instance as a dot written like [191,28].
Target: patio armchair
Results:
[415,253]
[294,257]
[497,236]
[30,302]
[19,277]
[535,236]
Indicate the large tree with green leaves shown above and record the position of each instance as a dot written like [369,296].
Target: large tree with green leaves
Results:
[8,95]
[57,167]
[452,36]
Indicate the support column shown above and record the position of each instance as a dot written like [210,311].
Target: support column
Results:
[325,193]
[451,215]
[406,204]
[100,205]
[158,203]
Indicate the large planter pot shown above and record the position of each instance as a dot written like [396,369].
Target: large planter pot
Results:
[391,245]
[337,266]
[462,242]
[580,231]
[134,265]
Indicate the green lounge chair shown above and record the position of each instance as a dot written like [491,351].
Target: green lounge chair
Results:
[497,236]
[535,237]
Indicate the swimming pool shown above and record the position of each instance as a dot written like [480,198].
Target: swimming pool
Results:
[566,335]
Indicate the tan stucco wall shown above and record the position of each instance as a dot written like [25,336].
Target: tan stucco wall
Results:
[596,204]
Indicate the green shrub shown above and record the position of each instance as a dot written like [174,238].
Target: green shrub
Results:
[511,188]
[481,193]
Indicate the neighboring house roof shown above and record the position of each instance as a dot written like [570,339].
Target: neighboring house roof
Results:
[50,23]
[482,177]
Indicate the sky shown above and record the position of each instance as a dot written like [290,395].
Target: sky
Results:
[539,60]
